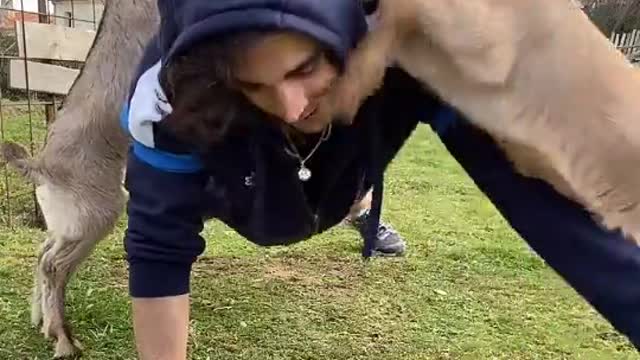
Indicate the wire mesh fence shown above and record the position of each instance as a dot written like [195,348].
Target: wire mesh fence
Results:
[31,84]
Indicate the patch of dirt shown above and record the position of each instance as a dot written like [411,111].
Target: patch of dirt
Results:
[328,276]
[288,273]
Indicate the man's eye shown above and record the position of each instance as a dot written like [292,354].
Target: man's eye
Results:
[307,68]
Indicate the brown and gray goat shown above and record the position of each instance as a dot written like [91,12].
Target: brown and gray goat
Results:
[78,174]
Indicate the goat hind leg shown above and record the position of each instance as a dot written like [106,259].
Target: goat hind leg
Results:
[36,295]
[56,267]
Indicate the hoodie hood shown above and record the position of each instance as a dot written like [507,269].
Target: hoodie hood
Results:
[337,24]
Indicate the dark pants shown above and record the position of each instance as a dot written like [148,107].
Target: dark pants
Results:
[600,265]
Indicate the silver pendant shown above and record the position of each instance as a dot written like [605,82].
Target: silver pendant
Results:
[304,173]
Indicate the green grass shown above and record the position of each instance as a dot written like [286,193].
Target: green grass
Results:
[467,289]
[17,202]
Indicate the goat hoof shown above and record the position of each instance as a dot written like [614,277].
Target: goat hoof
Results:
[65,349]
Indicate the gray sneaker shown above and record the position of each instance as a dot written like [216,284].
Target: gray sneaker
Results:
[388,241]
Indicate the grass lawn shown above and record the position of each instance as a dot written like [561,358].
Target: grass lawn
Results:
[16,195]
[467,289]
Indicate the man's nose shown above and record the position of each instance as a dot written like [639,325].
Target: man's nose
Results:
[292,100]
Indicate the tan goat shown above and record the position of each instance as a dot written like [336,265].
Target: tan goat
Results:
[536,75]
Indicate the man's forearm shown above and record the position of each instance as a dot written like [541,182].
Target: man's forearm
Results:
[161,327]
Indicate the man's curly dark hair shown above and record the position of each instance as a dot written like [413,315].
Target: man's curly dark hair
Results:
[199,87]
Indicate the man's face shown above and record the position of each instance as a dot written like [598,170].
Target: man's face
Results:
[289,76]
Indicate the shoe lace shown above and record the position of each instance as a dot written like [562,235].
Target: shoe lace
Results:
[385,229]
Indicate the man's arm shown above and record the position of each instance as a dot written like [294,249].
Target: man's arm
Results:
[599,264]
[165,217]
[162,241]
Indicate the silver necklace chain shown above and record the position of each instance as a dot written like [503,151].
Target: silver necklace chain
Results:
[304,174]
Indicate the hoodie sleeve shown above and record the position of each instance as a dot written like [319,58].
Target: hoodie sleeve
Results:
[162,239]
[166,186]
[599,264]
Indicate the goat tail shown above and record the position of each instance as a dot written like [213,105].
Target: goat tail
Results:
[17,157]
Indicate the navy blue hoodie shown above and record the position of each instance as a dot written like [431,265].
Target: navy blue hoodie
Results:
[250,183]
